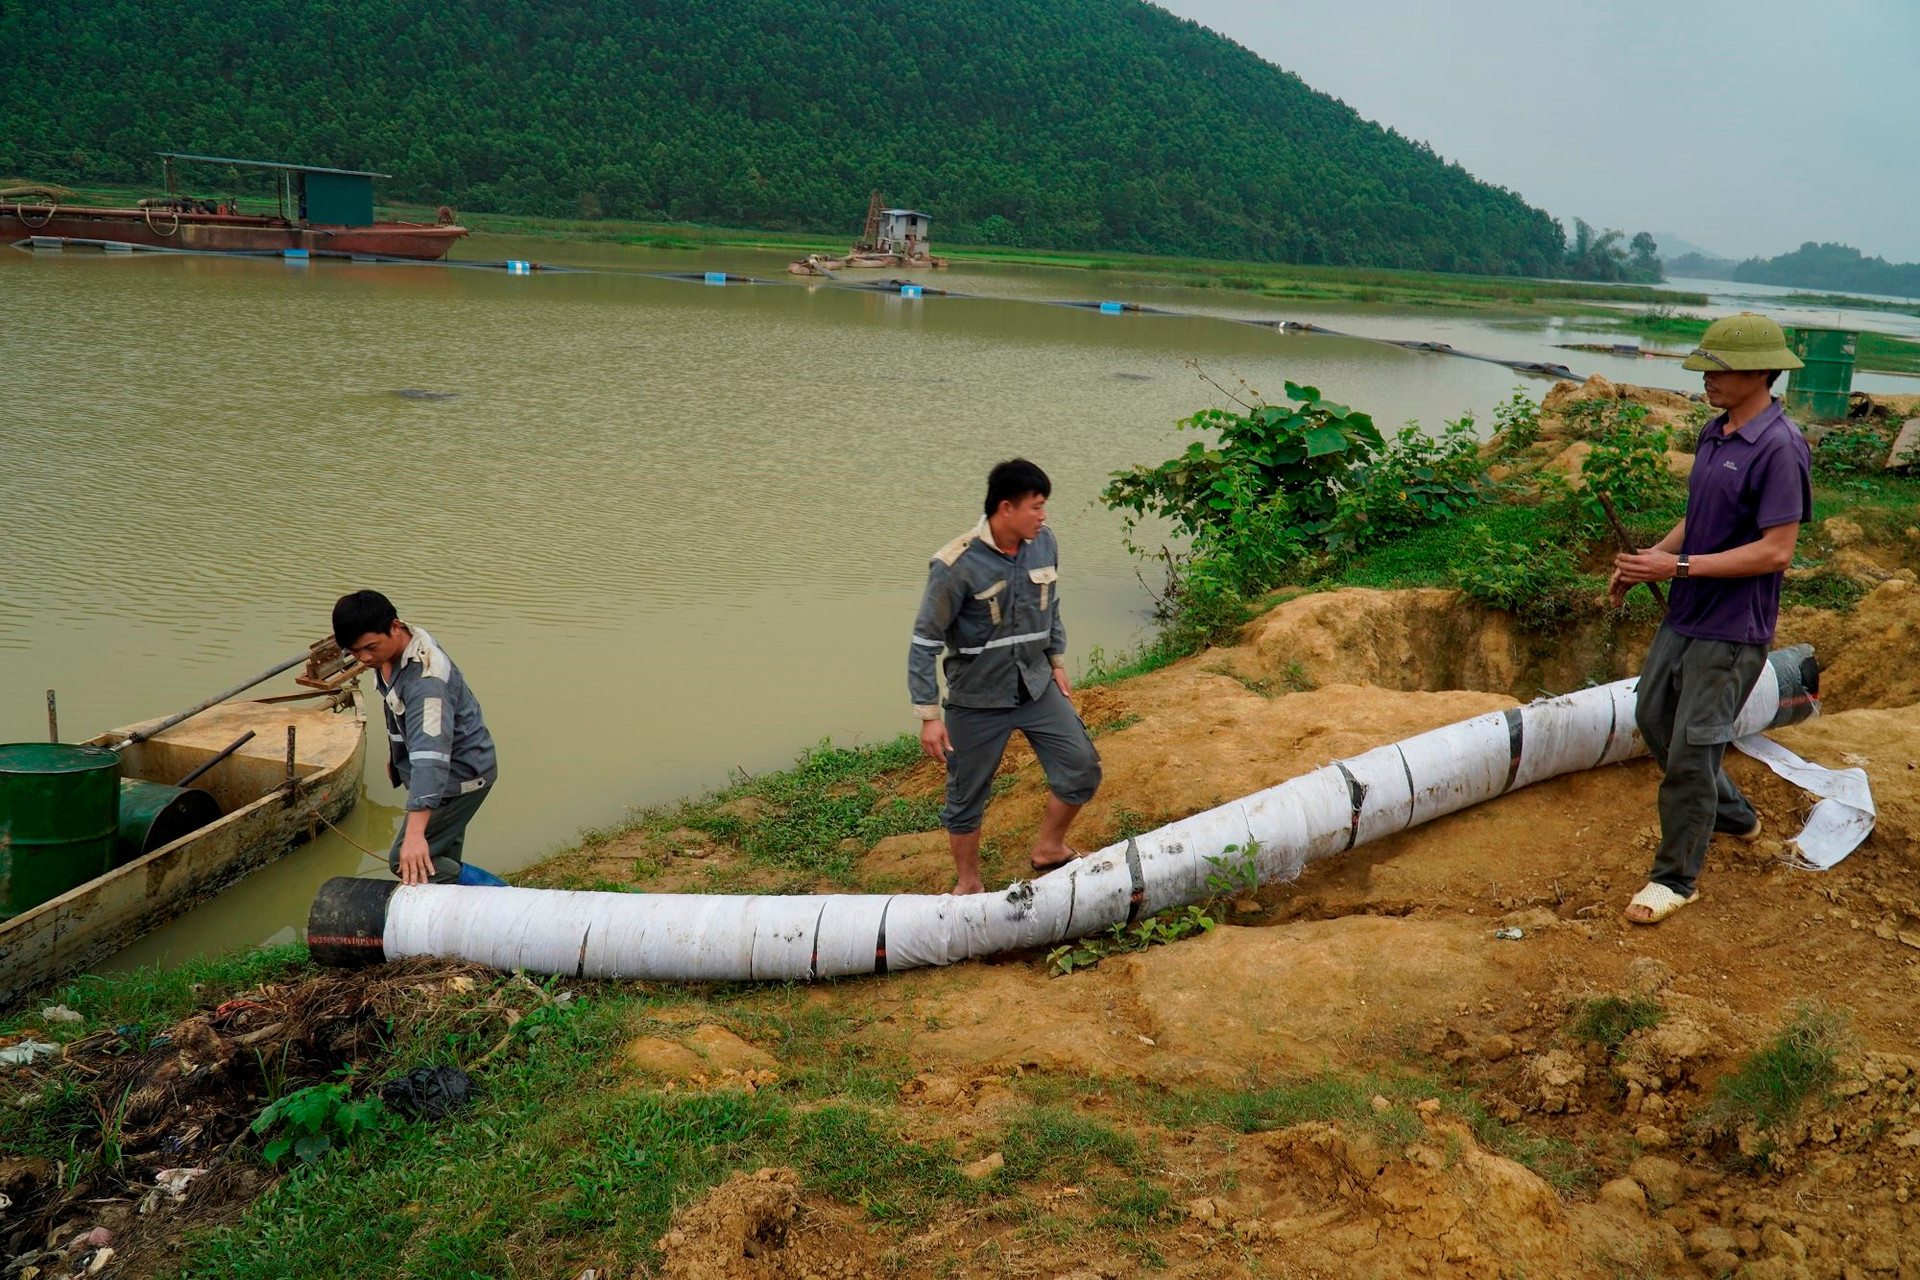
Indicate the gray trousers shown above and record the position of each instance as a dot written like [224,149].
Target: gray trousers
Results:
[980,737]
[1689,693]
[446,835]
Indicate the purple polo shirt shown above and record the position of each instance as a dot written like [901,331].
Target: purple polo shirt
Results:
[1742,483]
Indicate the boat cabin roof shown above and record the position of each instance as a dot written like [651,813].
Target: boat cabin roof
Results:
[274,164]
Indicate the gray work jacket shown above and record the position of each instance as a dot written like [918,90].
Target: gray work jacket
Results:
[436,740]
[994,617]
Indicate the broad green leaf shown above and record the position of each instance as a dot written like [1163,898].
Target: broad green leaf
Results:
[1322,441]
[312,1147]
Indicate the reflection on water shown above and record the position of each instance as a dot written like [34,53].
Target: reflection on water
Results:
[667,530]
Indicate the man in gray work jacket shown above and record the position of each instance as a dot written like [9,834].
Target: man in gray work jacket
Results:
[438,746]
[992,608]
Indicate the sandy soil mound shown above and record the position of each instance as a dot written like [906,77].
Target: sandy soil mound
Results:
[1428,638]
[1337,1204]
[755,1225]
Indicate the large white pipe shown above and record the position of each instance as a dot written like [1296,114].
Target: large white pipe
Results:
[736,937]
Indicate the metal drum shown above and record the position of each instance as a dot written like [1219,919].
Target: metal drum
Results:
[1819,391]
[59,812]
[154,814]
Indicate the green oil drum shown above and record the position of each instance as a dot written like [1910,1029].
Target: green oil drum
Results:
[153,814]
[1819,391]
[59,814]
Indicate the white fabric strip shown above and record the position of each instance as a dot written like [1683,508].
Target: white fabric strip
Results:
[1843,818]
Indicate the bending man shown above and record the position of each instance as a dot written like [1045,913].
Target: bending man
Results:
[992,608]
[438,747]
[1746,499]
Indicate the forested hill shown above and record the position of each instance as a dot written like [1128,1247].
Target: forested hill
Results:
[1067,123]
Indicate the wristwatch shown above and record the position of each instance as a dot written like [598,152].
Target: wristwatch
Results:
[1680,567]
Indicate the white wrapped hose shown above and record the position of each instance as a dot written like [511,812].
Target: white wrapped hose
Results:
[737,937]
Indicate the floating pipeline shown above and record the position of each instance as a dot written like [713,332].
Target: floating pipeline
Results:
[905,289]
[712,937]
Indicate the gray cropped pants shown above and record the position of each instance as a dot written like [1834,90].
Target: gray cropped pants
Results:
[1689,693]
[980,735]
[446,835]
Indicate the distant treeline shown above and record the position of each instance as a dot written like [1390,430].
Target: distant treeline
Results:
[1835,268]
[1104,124]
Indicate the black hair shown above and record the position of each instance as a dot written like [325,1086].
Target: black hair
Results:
[1013,480]
[361,612]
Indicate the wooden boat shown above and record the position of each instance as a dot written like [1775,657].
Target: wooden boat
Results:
[318,209]
[263,816]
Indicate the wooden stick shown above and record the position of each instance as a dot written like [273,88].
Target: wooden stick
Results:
[1625,540]
[198,707]
[53,719]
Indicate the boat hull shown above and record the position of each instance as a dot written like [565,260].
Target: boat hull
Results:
[224,233]
[85,925]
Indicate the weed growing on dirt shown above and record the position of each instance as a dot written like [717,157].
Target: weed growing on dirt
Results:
[1055,1143]
[1516,422]
[313,1120]
[860,1160]
[1114,725]
[1538,581]
[1848,452]
[1154,931]
[1772,1083]
[1609,1020]
[1823,590]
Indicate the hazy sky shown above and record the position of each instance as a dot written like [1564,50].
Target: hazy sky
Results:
[1744,127]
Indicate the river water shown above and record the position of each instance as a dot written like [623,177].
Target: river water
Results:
[668,530]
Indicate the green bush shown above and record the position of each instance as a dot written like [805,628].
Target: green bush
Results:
[1848,452]
[1418,479]
[1299,454]
[1537,580]
[1628,463]
[1516,422]
[314,1119]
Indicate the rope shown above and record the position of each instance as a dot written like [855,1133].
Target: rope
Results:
[349,839]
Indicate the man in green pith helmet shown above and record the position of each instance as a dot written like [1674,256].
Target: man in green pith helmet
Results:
[1748,495]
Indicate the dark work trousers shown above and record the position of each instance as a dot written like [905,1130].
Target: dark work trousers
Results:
[1689,693]
[979,737]
[446,835]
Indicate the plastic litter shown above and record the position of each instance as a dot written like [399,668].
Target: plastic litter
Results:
[1509,934]
[429,1093]
[176,1181]
[26,1051]
[60,1013]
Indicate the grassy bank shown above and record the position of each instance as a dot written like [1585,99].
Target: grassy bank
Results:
[583,1143]
[1877,352]
[1360,285]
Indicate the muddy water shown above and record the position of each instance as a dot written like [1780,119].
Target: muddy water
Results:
[668,530]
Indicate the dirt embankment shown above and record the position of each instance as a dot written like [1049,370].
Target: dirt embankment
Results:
[1386,960]
[1381,968]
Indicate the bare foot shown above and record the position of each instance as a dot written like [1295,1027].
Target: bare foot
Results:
[1638,914]
[962,887]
